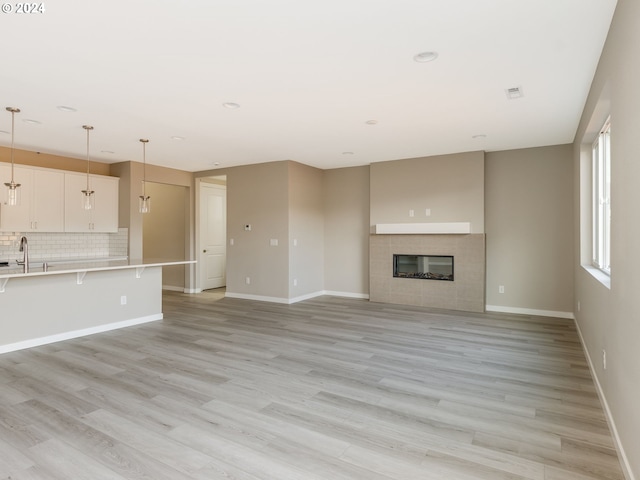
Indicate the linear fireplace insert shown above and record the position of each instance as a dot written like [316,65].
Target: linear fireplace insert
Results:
[423,267]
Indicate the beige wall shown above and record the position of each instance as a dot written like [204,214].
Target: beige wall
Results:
[529,228]
[451,186]
[609,318]
[131,175]
[346,228]
[163,231]
[258,195]
[326,212]
[38,159]
[306,231]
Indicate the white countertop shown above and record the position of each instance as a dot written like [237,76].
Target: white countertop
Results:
[62,266]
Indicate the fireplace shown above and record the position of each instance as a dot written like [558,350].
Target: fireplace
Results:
[466,292]
[423,267]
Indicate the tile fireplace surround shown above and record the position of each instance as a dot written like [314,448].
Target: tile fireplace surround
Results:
[466,292]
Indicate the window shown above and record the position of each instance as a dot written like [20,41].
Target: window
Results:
[601,199]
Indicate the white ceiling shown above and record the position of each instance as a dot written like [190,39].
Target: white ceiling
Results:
[306,74]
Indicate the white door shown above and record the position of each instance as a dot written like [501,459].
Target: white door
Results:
[213,235]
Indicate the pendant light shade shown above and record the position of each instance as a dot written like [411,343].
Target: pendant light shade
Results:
[144,202]
[88,194]
[13,188]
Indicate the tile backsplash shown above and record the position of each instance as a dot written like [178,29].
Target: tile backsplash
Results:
[51,246]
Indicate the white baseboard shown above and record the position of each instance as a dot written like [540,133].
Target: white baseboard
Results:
[191,290]
[36,342]
[307,296]
[173,288]
[529,311]
[624,461]
[333,293]
[290,301]
[260,298]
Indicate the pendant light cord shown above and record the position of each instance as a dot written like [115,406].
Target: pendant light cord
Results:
[13,111]
[13,122]
[87,128]
[144,142]
[144,169]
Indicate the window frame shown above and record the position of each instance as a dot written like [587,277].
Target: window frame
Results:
[601,199]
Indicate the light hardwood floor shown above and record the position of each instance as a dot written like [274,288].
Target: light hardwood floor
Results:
[326,389]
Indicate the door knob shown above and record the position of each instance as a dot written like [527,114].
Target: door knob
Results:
[204,251]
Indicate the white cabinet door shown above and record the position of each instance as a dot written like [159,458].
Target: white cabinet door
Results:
[41,201]
[48,201]
[103,217]
[17,218]
[76,218]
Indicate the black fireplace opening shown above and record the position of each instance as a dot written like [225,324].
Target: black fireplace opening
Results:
[423,267]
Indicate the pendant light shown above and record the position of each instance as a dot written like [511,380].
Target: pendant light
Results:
[87,195]
[13,188]
[144,202]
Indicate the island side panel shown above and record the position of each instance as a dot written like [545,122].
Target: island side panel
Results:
[42,309]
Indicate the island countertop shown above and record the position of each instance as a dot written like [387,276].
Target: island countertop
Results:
[65,266]
[78,298]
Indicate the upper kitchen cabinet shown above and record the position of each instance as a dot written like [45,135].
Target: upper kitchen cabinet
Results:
[41,207]
[104,215]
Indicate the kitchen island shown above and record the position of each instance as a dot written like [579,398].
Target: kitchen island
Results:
[73,299]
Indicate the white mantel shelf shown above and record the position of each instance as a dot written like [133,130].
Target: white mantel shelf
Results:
[422,228]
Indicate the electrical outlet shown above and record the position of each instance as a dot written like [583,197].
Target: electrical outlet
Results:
[411,213]
[247,280]
[231,241]
[427,212]
[123,300]
[501,289]
[295,282]
[578,305]
[604,359]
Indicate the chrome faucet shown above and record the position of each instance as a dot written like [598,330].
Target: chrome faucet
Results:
[24,247]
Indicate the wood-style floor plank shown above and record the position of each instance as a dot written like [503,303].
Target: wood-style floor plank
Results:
[327,388]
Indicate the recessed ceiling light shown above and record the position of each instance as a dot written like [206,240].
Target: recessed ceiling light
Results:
[216,164]
[425,57]
[482,135]
[371,122]
[64,108]
[177,137]
[231,105]
[111,152]
[347,153]
[31,121]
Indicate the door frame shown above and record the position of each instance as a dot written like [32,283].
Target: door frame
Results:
[221,180]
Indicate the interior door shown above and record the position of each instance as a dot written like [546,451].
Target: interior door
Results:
[213,235]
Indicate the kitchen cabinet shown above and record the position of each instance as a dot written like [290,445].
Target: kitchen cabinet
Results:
[41,207]
[104,216]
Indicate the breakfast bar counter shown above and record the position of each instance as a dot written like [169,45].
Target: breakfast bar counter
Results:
[68,299]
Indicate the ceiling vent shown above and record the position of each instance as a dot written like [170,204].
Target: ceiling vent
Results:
[514,92]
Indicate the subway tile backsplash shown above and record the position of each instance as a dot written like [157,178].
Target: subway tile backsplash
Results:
[52,246]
